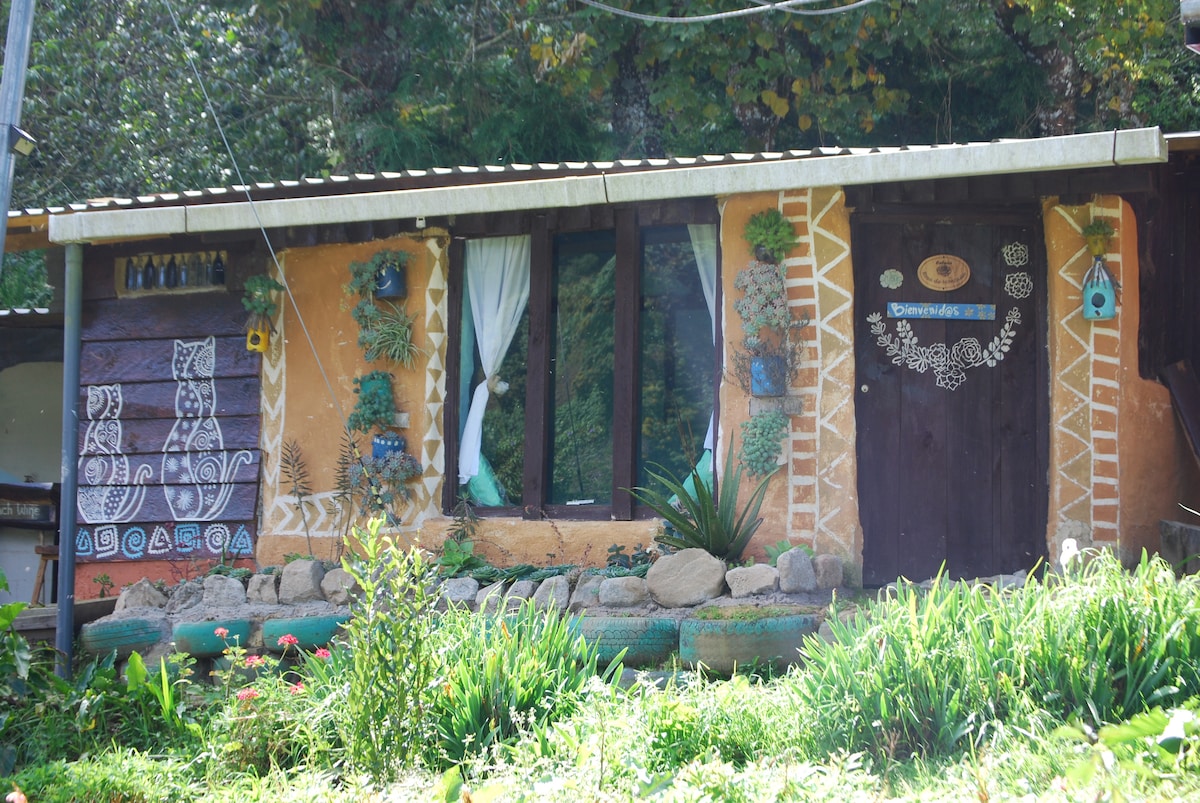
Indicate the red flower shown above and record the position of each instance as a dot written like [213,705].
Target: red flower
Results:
[288,640]
[249,693]
[221,632]
[296,688]
[254,660]
[321,652]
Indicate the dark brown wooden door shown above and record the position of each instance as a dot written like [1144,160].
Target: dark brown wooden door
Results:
[952,412]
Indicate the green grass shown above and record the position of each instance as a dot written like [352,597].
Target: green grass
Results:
[1076,688]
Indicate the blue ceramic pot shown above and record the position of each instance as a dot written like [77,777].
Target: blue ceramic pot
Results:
[768,375]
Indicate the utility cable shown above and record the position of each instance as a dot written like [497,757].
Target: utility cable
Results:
[372,482]
[760,7]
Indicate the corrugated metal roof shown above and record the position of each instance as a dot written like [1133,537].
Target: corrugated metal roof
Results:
[447,177]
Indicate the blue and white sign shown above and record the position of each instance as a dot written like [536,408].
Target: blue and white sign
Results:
[939,311]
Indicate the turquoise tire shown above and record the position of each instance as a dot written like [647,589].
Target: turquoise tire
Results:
[199,639]
[648,641]
[722,645]
[123,635]
[310,631]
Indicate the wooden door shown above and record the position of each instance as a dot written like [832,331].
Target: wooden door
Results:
[952,411]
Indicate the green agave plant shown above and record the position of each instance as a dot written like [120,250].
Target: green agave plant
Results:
[715,525]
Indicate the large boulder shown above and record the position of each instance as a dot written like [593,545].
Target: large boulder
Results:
[553,593]
[301,582]
[141,594]
[828,571]
[338,586]
[623,592]
[222,591]
[686,579]
[458,592]
[796,574]
[263,588]
[748,581]
[587,593]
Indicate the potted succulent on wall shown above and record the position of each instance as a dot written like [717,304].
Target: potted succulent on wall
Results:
[768,343]
[1097,234]
[259,301]
[381,276]
[375,409]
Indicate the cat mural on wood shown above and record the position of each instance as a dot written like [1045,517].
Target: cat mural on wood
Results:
[197,473]
[111,493]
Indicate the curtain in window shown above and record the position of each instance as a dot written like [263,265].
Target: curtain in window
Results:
[497,284]
[704,247]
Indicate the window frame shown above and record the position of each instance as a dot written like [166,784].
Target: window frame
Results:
[626,221]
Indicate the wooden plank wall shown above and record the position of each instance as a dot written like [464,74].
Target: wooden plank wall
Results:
[168,425]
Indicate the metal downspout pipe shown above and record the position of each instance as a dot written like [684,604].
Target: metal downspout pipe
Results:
[64,635]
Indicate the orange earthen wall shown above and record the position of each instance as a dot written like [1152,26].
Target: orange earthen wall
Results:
[1115,462]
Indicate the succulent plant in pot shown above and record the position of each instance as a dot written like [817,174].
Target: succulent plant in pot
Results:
[259,300]
[385,332]
[1097,234]
[375,407]
[770,234]
[763,304]
[381,276]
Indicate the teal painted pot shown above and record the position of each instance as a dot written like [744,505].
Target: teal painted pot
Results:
[123,635]
[310,632]
[201,640]
[647,641]
[722,645]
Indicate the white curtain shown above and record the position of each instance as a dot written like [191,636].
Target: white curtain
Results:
[497,279]
[704,247]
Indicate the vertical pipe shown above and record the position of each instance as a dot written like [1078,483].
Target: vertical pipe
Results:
[64,637]
[12,90]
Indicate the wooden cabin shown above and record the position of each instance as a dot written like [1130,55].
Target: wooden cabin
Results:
[954,391]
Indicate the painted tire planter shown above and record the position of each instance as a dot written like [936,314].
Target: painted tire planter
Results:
[722,644]
[310,631]
[649,641]
[123,635]
[199,639]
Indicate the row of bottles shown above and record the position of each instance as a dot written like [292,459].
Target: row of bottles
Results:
[168,272]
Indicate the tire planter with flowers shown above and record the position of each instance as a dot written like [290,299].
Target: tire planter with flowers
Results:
[306,632]
[201,639]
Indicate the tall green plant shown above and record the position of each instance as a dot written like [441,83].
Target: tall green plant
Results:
[391,663]
[716,525]
[506,674]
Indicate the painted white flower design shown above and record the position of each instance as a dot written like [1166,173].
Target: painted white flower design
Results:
[1016,255]
[949,363]
[891,279]
[1018,285]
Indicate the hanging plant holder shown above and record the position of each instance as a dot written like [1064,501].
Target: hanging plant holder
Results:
[392,281]
[387,443]
[768,375]
[258,332]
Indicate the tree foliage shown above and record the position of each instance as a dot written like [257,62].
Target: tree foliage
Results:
[304,86]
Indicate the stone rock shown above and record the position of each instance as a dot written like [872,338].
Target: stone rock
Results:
[796,574]
[623,592]
[338,586]
[686,579]
[825,631]
[222,592]
[553,593]
[747,581]
[141,594]
[520,591]
[587,593]
[301,582]
[263,588]
[828,571]
[185,595]
[458,592]
[490,598]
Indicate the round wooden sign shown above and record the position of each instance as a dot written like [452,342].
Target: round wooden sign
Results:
[943,272]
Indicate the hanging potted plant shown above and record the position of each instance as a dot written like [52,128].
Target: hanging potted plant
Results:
[771,235]
[1097,234]
[375,409]
[766,321]
[381,276]
[386,332]
[258,299]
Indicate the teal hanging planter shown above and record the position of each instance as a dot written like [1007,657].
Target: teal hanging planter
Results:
[768,375]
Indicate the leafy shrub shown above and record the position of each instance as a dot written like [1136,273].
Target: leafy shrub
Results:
[504,674]
[387,666]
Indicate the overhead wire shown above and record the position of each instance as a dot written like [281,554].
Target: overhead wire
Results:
[341,413]
[760,7]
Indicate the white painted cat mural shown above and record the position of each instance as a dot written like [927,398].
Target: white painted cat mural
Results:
[109,492]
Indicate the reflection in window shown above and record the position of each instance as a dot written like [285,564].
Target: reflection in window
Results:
[676,394]
[580,458]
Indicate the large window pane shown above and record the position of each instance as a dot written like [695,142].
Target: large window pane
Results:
[581,405]
[676,395]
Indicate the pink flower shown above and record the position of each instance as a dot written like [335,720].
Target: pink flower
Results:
[249,693]
[253,661]
[16,795]
[288,640]
[221,632]
[296,688]
[321,652]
